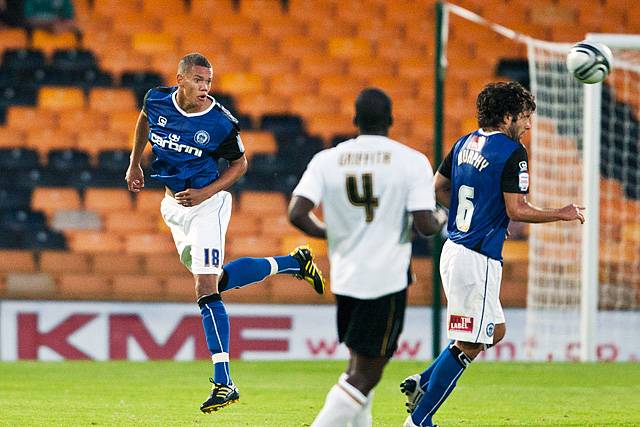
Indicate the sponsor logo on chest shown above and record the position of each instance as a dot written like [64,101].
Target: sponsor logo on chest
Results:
[173,143]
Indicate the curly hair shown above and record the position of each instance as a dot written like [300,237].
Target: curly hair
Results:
[496,100]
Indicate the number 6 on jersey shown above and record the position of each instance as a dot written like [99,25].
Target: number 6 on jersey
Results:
[465,208]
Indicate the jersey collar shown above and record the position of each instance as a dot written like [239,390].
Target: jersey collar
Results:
[482,132]
[199,113]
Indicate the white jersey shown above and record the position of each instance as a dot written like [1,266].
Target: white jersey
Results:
[367,187]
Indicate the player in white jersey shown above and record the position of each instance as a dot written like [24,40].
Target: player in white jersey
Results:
[372,189]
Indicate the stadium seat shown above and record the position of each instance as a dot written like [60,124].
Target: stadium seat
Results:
[153,43]
[102,140]
[104,200]
[161,8]
[326,29]
[276,27]
[61,98]
[367,68]
[56,262]
[258,142]
[73,60]
[310,10]
[291,241]
[396,49]
[108,100]
[102,264]
[66,160]
[349,47]
[70,221]
[317,65]
[23,117]
[48,42]
[13,38]
[44,139]
[288,290]
[251,246]
[149,243]
[165,264]
[96,242]
[180,287]
[340,86]
[123,222]
[227,25]
[269,64]
[264,202]
[309,105]
[22,59]
[377,30]
[11,138]
[50,200]
[82,121]
[9,239]
[260,104]
[417,68]
[17,261]
[18,158]
[138,287]
[241,83]
[82,285]
[123,121]
[291,84]
[148,202]
[30,178]
[30,285]
[296,46]
[114,7]
[19,220]
[35,239]
[327,125]
[243,225]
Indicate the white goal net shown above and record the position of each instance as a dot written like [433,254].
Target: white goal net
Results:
[555,249]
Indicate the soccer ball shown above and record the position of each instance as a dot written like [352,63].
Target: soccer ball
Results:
[589,62]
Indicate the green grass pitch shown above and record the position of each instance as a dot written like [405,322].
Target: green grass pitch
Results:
[286,393]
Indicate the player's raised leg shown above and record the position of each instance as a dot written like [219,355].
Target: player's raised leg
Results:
[246,271]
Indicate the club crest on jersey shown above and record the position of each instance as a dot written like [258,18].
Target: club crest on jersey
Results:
[201,137]
[477,142]
[460,323]
[523,166]
[490,329]
[162,121]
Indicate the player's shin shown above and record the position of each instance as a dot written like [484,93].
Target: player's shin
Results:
[215,321]
[442,382]
[246,271]
[342,405]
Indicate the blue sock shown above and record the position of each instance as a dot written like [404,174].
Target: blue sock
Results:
[426,374]
[245,271]
[444,378]
[216,329]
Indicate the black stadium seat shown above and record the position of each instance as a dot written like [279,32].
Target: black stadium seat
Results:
[19,220]
[18,158]
[43,239]
[67,159]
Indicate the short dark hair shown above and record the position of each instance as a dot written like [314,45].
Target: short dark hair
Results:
[192,60]
[496,100]
[373,110]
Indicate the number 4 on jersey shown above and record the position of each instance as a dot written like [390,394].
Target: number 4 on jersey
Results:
[365,199]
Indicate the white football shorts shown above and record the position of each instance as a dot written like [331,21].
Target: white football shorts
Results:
[199,231]
[471,282]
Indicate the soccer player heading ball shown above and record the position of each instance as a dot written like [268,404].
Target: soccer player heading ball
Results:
[189,132]
[484,181]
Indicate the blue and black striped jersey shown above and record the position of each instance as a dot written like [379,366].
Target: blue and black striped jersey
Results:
[187,146]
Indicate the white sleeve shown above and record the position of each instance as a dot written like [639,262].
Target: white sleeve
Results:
[310,185]
[421,196]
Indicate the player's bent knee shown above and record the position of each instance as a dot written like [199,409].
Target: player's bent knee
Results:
[470,349]
[499,333]
[206,284]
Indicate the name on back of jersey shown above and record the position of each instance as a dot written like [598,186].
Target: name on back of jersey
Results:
[364,158]
[473,158]
[172,143]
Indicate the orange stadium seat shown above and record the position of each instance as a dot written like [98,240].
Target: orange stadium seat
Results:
[377,30]
[244,225]
[203,43]
[123,121]
[51,199]
[269,64]
[355,13]
[249,45]
[82,120]
[153,43]
[325,30]
[11,138]
[238,83]
[108,100]
[134,22]
[149,243]
[123,222]
[296,46]
[104,200]
[318,65]
[368,68]
[396,49]
[291,84]
[340,86]
[103,263]
[180,287]
[309,105]
[276,27]
[257,9]
[148,201]
[96,242]
[276,225]
[227,25]
[161,8]
[83,285]
[395,87]
[105,42]
[264,202]
[48,42]
[44,139]
[256,141]
[416,67]
[162,264]
[286,289]
[257,105]
[183,25]
[137,287]
[17,261]
[407,13]
[291,241]
[100,140]
[115,7]
[251,246]
[56,262]
[311,10]
[24,118]
[13,38]
[60,98]
[329,125]
[198,7]
[349,47]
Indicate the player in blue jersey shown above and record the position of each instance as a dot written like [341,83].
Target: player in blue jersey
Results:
[484,181]
[189,131]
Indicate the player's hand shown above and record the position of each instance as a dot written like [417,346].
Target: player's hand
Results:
[572,212]
[135,178]
[192,196]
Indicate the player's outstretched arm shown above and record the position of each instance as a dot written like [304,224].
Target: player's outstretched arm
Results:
[134,175]
[519,209]
[301,216]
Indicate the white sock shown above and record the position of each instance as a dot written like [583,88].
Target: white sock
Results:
[342,404]
[364,418]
